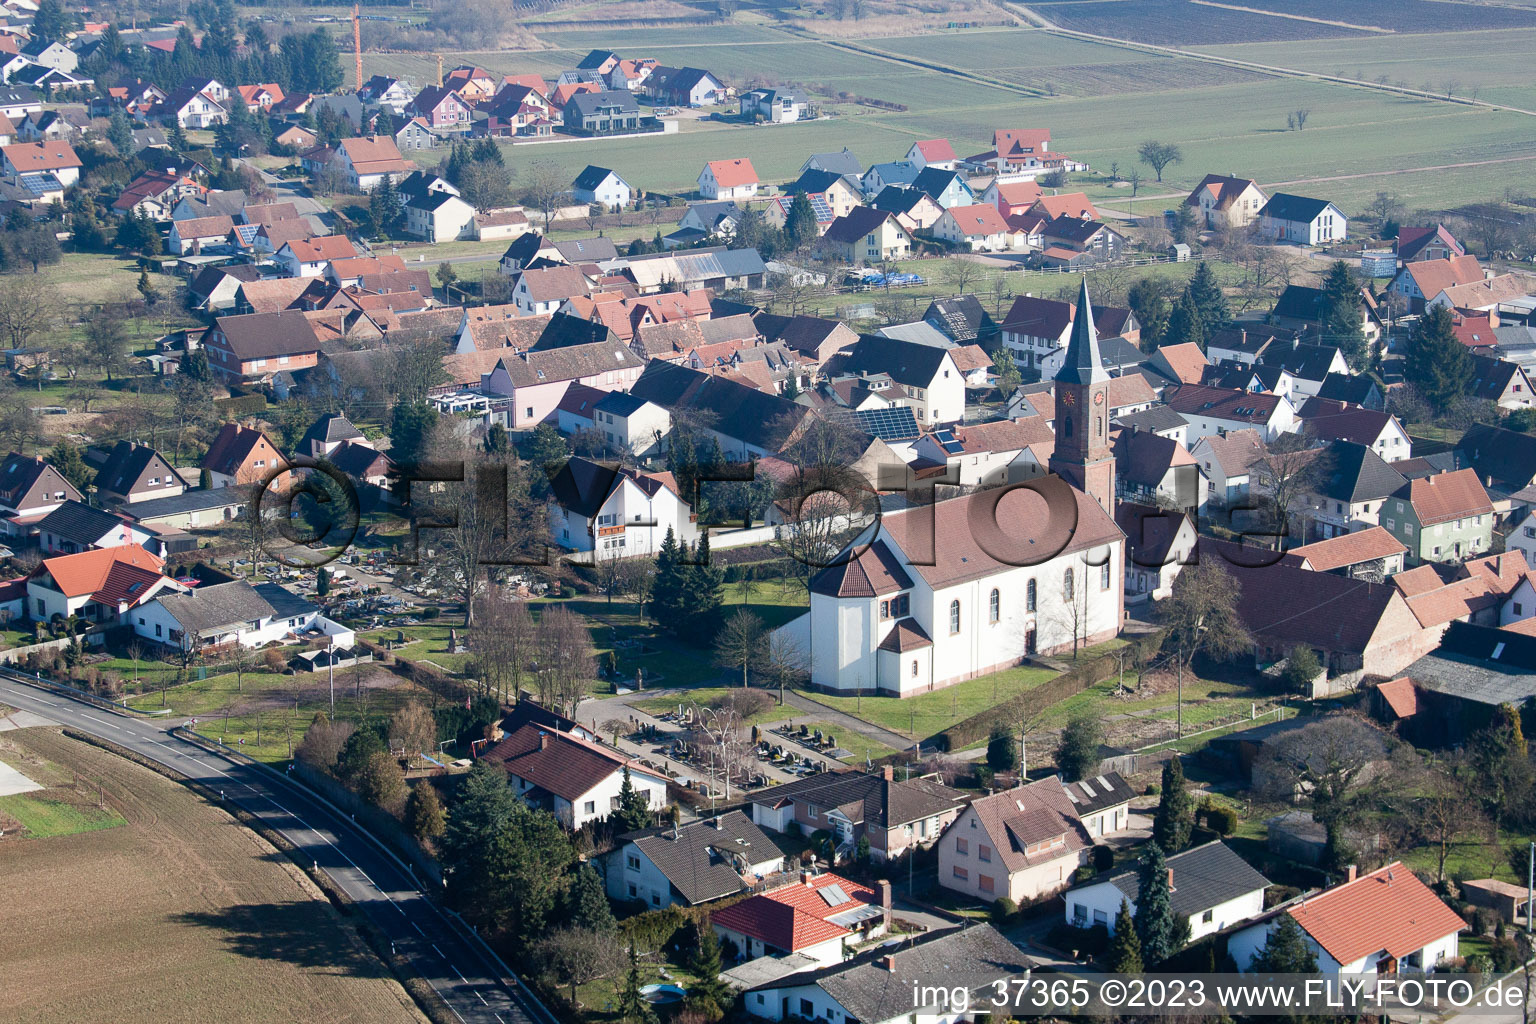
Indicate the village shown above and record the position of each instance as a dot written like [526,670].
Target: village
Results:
[729,595]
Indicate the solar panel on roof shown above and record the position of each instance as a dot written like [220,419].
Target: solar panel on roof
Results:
[1087,789]
[40,183]
[894,423]
[834,895]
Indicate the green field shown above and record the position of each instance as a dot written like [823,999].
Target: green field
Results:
[44,818]
[1101,101]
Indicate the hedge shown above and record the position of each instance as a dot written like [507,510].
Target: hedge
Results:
[1031,703]
[241,405]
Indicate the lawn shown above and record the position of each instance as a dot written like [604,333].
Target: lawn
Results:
[44,818]
[929,713]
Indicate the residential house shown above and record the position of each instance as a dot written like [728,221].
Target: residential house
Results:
[368,160]
[260,99]
[1038,330]
[685,87]
[934,384]
[989,454]
[975,228]
[1212,888]
[307,257]
[534,382]
[881,176]
[817,338]
[1504,459]
[615,512]
[100,586]
[415,134]
[223,615]
[240,456]
[55,157]
[1419,281]
[606,112]
[546,289]
[1371,554]
[1227,461]
[1023,153]
[895,816]
[603,187]
[1302,221]
[820,917]
[1384,923]
[155,193]
[1308,365]
[728,179]
[386,91]
[878,986]
[1211,410]
[1019,844]
[1417,244]
[1220,201]
[190,237]
[577,780]
[778,106]
[29,489]
[75,526]
[1012,198]
[439,216]
[17,102]
[945,187]
[1339,421]
[191,107]
[1442,518]
[913,208]
[136,472]
[1347,490]
[1159,542]
[865,235]
[256,345]
[841,192]
[843,162]
[631,423]
[441,107]
[691,864]
[328,433]
[192,509]
[1153,469]
[50,53]
[748,423]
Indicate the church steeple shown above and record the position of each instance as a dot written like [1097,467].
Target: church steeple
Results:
[1082,455]
[1083,365]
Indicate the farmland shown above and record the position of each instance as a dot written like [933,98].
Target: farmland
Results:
[1179,23]
[177,913]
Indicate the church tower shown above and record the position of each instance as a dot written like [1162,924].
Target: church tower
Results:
[1083,456]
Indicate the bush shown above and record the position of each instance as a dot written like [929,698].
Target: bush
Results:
[984,777]
[744,702]
[1505,953]
[1484,920]
[431,612]
[1220,818]
[1003,908]
[1103,858]
[1153,789]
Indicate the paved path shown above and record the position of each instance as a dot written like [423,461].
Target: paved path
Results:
[434,946]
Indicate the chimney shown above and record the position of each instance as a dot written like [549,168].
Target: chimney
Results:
[805,878]
[888,773]
[1170,879]
[718,822]
[1350,873]
[888,962]
[543,740]
[883,889]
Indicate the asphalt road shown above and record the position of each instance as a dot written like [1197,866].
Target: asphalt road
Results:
[384,889]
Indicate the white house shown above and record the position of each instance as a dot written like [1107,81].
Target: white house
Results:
[691,864]
[1228,462]
[1303,221]
[935,386]
[632,423]
[100,586]
[546,289]
[778,106]
[1386,922]
[728,179]
[943,978]
[601,186]
[1219,890]
[575,779]
[975,228]
[439,216]
[1211,410]
[234,613]
[1159,542]
[932,153]
[307,257]
[75,526]
[616,512]
[819,917]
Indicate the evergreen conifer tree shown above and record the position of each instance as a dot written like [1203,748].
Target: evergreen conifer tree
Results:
[1124,954]
[1155,926]
[1285,950]
[1175,809]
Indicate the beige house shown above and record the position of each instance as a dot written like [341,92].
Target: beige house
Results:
[866,235]
[1221,201]
[893,815]
[1022,843]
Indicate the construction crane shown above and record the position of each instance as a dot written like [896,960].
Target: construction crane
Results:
[357,46]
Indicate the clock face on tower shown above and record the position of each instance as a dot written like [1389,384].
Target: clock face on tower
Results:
[1098,398]
[1068,398]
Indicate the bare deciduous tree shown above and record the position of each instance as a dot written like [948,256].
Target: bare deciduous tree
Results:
[565,666]
[502,642]
[413,730]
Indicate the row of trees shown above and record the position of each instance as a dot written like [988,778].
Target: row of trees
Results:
[1171,318]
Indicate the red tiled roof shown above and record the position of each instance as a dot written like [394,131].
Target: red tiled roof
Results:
[1069,204]
[52,155]
[936,150]
[1388,909]
[795,916]
[1446,496]
[1434,276]
[1401,696]
[1350,549]
[730,173]
[1186,360]
[978,219]
[106,573]
[558,762]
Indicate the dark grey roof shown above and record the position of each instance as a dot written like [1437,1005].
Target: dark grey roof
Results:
[589,103]
[1283,206]
[962,318]
[197,500]
[1082,364]
[1118,354]
[1159,417]
[934,180]
[701,859]
[813,181]
[79,522]
[216,608]
[564,331]
[871,989]
[1505,456]
[1347,387]
[852,226]
[332,427]
[620,403]
[842,162]
[587,250]
[898,199]
[868,797]
[1481,664]
[1204,877]
[126,466]
[743,413]
[596,59]
[1096,793]
[1353,472]
[591,177]
[907,362]
[285,604]
[1308,362]
[581,485]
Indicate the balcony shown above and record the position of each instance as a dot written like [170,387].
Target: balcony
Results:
[610,531]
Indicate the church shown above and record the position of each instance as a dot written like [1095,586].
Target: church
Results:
[936,594]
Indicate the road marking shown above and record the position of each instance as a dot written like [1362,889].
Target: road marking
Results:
[208,766]
[98,721]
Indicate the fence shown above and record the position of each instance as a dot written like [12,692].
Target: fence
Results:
[384,826]
[75,693]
